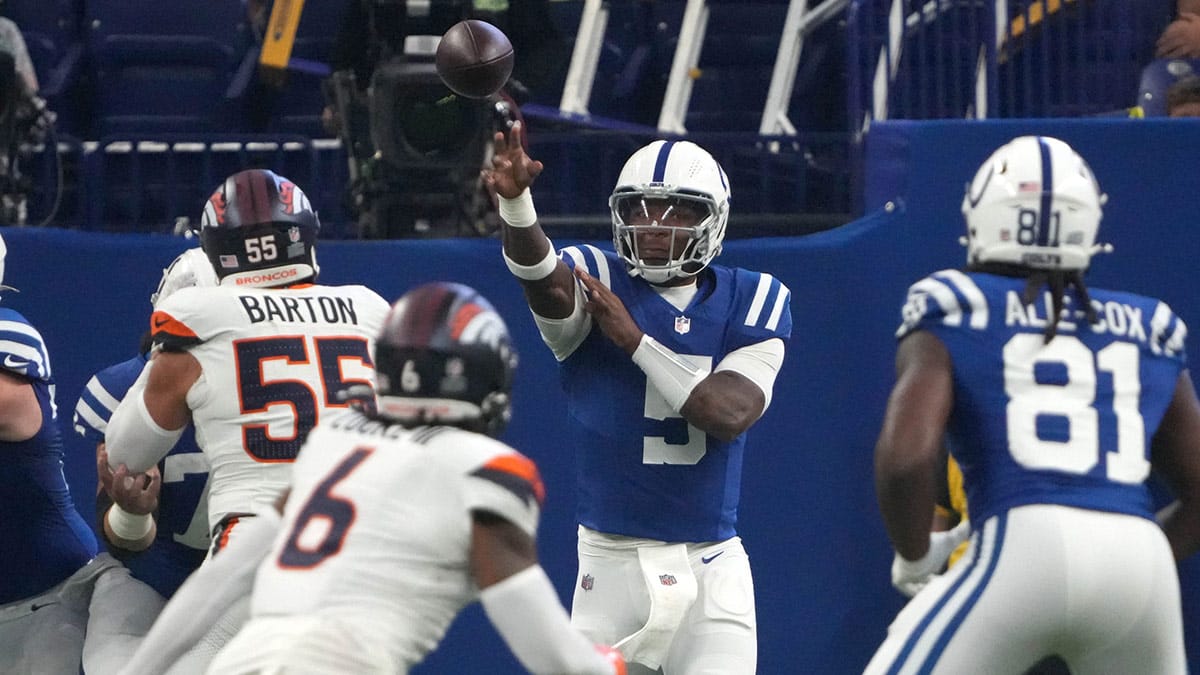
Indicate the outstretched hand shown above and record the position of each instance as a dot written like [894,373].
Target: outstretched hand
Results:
[610,313]
[512,170]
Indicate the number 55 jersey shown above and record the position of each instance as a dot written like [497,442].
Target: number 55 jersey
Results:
[1067,422]
[274,362]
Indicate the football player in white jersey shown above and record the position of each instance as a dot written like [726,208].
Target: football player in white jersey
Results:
[398,516]
[1056,400]
[253,363]
[667,360]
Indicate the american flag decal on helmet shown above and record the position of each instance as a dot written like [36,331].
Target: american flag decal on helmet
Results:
[667,579]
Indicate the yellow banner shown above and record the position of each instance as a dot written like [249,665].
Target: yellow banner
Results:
[281,33]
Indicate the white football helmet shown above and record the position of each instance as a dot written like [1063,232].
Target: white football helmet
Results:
[1033,203]
[188,269]
[685,178]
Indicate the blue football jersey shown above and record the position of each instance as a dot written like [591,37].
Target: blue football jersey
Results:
[1069,422]
[43,539]
[182,538]
[643,470]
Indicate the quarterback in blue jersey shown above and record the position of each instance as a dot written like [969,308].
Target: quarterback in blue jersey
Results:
[666,361]
[177,538]
[1056,400]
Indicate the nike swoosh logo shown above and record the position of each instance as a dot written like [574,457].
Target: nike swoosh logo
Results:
[711,557]
[159,321]
[35,606]
[14,364]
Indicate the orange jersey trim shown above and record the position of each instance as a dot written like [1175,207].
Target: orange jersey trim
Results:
[161,322]
[523,468]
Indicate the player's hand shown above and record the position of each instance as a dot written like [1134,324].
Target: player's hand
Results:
[910,576]
[512,170]
[609,312]
[614,657]
[136,493]
[1181,39]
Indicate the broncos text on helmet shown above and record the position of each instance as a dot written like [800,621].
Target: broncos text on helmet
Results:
[1035,203]
[259,229]
[445,357]
[670,184]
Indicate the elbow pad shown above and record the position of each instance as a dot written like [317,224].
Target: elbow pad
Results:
[133,438]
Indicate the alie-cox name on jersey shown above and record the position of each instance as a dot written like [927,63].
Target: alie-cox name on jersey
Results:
[1115,318]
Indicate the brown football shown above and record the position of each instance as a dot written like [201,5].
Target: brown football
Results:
[474,58]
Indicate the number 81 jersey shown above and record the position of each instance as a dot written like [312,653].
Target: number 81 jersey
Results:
[1068,422]
[274,361]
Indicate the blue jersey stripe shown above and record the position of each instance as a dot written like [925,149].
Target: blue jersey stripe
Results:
[1043,233]
[660,164]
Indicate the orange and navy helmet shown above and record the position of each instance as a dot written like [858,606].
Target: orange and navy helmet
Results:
[259,229]
[445,357]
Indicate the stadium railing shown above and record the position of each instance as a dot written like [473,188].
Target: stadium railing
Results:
[927,59]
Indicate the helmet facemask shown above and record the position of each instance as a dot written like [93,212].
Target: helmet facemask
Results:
[669,211]
[641,218]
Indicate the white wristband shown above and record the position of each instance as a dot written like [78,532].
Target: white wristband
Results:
[519,211]
[128,526]
[671,375]
[539,270]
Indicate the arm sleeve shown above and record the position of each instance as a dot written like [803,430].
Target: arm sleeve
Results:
[133,438]
[759,363]
[527,613]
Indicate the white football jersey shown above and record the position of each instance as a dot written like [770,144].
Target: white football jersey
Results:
[371,564]
[274,362]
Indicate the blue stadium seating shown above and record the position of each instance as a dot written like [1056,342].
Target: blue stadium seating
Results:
[164,67]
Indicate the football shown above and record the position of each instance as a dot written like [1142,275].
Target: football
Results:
[474,58]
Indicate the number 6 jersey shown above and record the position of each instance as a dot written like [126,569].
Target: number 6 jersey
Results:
[274,362]
[372,562]
[1069,422]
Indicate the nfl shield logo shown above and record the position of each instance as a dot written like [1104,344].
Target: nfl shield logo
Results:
[294,234]
[587,582]
[682,325]
[667,579]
